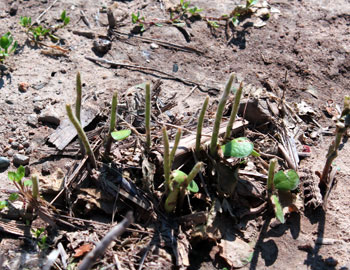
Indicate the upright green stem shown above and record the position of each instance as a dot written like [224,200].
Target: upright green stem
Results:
[78,107]
[233,112]
[176,144]
[166,162]
[35,187]
[195,170]
[148,115]
[200,124]
[81,135]
[271,175]
[219,113]
[111,124]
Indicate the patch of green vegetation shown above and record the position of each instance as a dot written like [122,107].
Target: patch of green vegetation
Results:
[7,46]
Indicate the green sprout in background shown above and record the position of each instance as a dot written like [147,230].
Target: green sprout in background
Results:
[7,46]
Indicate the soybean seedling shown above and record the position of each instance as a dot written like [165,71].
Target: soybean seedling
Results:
[113,134]
[7,46]
[176,182]
[282,181]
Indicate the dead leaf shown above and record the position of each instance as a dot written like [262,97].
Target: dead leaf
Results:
[236,253]
[82,250]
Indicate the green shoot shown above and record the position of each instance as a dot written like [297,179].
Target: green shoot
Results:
[64,18]
[176,144]
[166,162]
[111,124]
[148,115]
[233,112]
[200,125]
[40,237]
[81,135]
[137,19]
[7,46]
[271,175]
[78,107]
[219,113]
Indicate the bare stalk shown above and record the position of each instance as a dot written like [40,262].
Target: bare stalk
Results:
[91,258]
[111,124]
[219,113]
[195,170]
[148,115]
[35,187]
[342,125]
[233,112]
[78,107]
[271,175]
[200,124]
[176,144]
[81,135]
[166,162]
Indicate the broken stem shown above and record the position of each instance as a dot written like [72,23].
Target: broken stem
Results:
[111,124]
[81,135]
[200,124]
[233,112]
[148,115]
[166,162]
[270,176]
[219,113]
[35,187]
[78,107]
[176,144]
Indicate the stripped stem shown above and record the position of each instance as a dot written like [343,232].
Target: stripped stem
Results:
[219,113]
[111,124]
[81,135]
[200,124]
[176,144]
[35,187]
[233,112]
[271,175]
[78,107]
[166,162]
[148,115]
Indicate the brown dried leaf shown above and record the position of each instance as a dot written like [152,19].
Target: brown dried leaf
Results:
[82,250]
[236,253]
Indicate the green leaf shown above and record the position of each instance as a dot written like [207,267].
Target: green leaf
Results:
[14,47]
[28,183]
[120,134]
[278,208]
[240,147]
[13,197]
[4,41]
[286,181]
[255,153]
[63,15]
[178,176]
[158,24]
[17,176]
[179,24]
[134,18]
[193,187]
[66,20]
[3,204]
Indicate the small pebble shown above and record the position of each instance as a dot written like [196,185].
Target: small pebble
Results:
[28,151]
[11,140]
[46,169]
[23,86]
[50,117]
[154,46]
[4,162]
[26,171]
[14,145]
[26,144]
[10,153]
[19,159]
[9,101]
[13,10]
[102,45]
[32,120]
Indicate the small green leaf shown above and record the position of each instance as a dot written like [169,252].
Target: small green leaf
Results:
[13,197]
[63,15]
[3,204]
[178,176]
[134,18]
[255,153]
[120,134]
[193,187]
[17,176]
[278,208]
[66,20]
[28,183]
[239,147]
[179,24]
[158,24]
[286,181]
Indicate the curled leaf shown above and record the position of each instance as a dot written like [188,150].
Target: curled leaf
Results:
[120,134]
[278,208]
[239,147]
[286,181]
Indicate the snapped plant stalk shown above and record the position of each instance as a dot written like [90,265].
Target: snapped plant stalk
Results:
[234,112]
[343,123]
[148,115]
[200,124]
[176,144]
[111,124]
[271,175]
[78,107]
[81,135]
[166,162]
[219,113]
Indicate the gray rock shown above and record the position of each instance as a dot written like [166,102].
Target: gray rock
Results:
[28,151]
[49,117]
[9,101]
[46,169]
[19,159]
[32,120]
[4,162]
[14,145]
[102,45]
